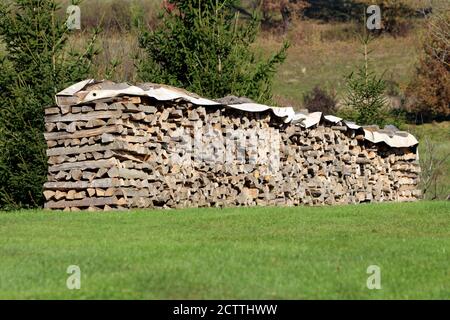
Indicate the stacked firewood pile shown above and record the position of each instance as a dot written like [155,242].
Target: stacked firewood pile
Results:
[138,152]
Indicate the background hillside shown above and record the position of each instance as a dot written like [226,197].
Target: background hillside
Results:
[322,52]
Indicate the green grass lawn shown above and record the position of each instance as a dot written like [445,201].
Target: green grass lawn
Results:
[254,253]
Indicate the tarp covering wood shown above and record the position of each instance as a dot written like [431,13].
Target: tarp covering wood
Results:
[88,91]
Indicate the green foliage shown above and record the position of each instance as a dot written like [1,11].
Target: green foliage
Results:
[137,15]
[37,64]
[365,97]
[204,47]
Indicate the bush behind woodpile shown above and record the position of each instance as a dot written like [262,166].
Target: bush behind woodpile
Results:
[28,83]
[320,100]
[205,48]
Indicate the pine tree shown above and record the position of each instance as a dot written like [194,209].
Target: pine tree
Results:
[204,47]
[365,92]
[37,64]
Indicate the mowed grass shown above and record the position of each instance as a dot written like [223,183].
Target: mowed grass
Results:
[253,253]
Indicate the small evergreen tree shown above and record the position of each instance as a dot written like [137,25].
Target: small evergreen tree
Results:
[365,97]
[37,64]
[203,46]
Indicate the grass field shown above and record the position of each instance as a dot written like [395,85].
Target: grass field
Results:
[254,253]
[313,61]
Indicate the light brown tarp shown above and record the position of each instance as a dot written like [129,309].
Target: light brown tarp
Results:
[89,91]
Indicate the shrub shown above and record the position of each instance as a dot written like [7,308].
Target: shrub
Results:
[37,64]
[320,100]
[347,113]
[428,94]
[203,46]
